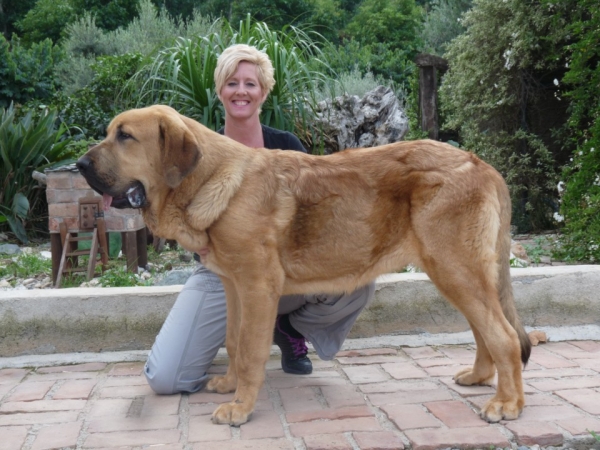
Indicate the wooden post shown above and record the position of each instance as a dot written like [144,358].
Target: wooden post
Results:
[428,110]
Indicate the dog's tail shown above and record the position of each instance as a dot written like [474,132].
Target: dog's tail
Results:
[505,290]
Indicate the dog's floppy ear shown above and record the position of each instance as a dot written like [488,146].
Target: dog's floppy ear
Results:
[179,148]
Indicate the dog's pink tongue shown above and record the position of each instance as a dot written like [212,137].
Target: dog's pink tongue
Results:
[107,200]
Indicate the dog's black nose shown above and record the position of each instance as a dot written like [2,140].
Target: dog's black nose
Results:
[84,163]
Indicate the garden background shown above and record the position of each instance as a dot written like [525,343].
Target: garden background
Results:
[522,90]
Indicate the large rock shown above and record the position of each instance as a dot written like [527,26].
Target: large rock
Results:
[349,121]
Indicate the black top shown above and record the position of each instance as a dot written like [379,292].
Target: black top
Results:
[277,139]
[274,139]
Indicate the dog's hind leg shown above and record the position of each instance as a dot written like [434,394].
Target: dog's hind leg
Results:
[471,292]
[483,371]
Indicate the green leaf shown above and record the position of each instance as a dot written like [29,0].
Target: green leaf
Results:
[20,205]
[17,227]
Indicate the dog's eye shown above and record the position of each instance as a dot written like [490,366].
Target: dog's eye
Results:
[121,135]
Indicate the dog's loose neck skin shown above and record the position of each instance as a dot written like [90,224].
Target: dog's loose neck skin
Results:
[204,194]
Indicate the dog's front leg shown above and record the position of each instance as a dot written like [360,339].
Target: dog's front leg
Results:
[256,316]
[228,382]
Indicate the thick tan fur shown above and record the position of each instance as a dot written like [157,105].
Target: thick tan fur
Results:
[282,222]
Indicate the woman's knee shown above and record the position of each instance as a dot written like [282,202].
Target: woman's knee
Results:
[160,379]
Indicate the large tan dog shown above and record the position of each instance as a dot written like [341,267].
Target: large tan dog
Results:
[273,222]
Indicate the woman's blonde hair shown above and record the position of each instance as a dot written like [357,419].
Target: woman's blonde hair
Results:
[228,61]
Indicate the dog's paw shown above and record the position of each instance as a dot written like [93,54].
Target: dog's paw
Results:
[222,384]
[468,377]
[232,413]
[495,410]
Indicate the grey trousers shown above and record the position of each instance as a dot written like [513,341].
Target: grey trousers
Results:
[195,329]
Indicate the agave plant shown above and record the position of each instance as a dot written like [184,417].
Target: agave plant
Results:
[26,145]
[183,75]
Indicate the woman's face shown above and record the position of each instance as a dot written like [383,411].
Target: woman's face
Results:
[242,94]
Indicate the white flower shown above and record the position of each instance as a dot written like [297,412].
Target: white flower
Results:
[592,149]
[560,187]
[580,153]
[558,217]
[555,82]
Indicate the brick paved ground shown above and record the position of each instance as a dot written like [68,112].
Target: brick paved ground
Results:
[375,399]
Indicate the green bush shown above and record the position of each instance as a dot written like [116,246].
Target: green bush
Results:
[26,145]
[146,34]
[442,24]
[500,96]
[183,75]
[580,204]
[26,72]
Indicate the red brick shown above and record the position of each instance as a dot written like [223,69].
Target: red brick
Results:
[62,376]
[134,438]
[580,426]
[109,424]
[256,444]
[63,210]
[367,352]
[459,355]
[57,436]
[80,183]
[72,223]
[327,442]
[123,369]
[330,414]
[160,405]
[588,346]
[593,364]
[210,397]
[443,361]
[568,383]
[114,223]
[201,429]
[365,360]
[586,399]
[125,381]
[340,396]
[467,391]
[549,360]
[557,373]
[444,371]
[410,397]
[29,391]
[437,438]
[296,381]
[42,406]
[531,433]
[368,374]
[407,417]
[113,407]
[378,440]
[566,350]
[12,376]
[422,352]
[401,371]
[530,400]
[264,424]
[397,386]
[548,413]
[125,391]
[13,438]
[300,399]
[59,180]
[335,426]
[87,367]
[455,414]
[38,418]
[75,389]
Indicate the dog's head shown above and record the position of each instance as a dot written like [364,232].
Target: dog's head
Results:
[146,151]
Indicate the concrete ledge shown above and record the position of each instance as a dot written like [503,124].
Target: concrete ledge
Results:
[40,322]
